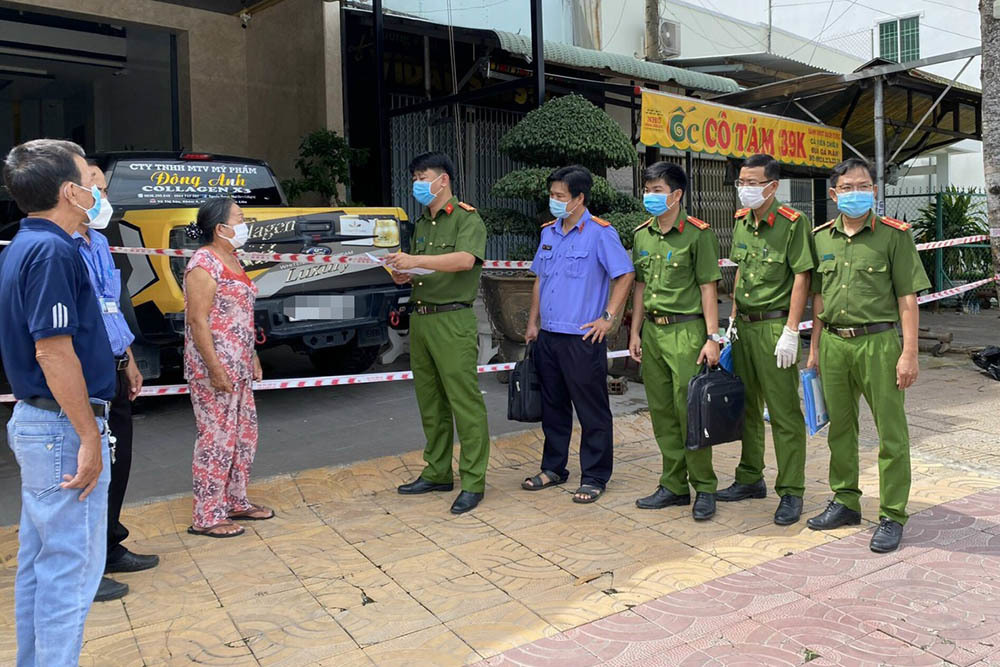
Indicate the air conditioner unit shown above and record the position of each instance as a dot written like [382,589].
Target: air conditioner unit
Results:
[670,39]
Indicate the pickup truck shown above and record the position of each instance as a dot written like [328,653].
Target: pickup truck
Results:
[336,313]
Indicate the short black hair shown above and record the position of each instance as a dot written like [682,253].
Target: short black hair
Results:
[212,213]
[850,164]
[772,168]
[668,172]
[34,171]
[577,179]
[434,160]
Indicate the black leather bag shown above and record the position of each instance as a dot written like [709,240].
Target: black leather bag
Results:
[524,391]
[714,408]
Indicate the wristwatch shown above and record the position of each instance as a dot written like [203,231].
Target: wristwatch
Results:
[607,316]
[715,338]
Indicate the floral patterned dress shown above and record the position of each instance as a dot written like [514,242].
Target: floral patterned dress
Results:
[227,422]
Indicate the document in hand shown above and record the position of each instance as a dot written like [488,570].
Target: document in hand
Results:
[812,393]
[414,272]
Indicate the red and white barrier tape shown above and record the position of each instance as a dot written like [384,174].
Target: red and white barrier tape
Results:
[933,245]
[323,381]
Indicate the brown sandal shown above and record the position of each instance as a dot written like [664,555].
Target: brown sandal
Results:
[247,515]
[211,531]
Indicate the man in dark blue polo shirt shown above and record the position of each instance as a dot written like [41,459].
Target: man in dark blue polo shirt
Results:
[58,360]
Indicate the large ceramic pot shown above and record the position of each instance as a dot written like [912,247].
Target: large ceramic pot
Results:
[507,296]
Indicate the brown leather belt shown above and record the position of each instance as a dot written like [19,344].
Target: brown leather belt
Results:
[438,308]
[99,409]
[671,318]
[860,330]
[760,317]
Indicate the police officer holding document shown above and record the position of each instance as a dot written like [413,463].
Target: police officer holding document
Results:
[58,359]
[771,246]
[580,261]
[449,240]
[866,280]
[675,329]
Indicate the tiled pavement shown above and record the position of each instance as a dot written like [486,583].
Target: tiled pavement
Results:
[351,573]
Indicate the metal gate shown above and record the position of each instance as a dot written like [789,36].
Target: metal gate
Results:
[483,164]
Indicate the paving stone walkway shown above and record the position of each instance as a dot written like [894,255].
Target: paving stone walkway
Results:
[351,573]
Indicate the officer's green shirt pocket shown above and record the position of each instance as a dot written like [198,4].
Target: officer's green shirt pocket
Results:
[676,269]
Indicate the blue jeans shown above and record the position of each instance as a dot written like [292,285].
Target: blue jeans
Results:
[62,540]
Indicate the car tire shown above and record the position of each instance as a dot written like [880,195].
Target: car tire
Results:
[344,359]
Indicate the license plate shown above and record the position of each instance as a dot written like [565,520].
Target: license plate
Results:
[319,307]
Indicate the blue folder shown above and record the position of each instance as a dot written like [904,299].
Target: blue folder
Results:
[812,393]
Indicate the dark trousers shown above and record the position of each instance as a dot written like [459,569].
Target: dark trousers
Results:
[120,425]
[574,373]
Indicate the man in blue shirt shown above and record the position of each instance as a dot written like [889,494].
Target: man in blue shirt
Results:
[58,360]
[580,259]
[107,284]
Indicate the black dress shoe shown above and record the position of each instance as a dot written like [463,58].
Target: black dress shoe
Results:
[421,485]
[834,516]
[789,510]
[887,536]
[737,491]
[704,506]
[110,590]
[130,562]
[661,498]
[466,500]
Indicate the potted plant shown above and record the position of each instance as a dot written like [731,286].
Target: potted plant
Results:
[565,130]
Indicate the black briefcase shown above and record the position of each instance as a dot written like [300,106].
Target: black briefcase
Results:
[524,391]
[714,408]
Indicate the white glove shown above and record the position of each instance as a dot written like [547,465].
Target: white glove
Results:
[787,349]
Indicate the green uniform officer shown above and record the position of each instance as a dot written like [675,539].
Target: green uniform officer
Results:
[675,322]
[867,276]
[450,240]
[771,246]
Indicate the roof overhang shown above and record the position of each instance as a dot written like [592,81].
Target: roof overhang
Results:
[749,69]
[847,101]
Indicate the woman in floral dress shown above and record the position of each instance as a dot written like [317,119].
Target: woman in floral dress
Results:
[220,365]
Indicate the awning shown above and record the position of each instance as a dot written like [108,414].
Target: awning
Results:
[847,101]
[615,64]
[749,69]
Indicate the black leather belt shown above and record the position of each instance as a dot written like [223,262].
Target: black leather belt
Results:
[121,363]
[671,318]
[100,409]
[860,330]
[438,308]
[760,317]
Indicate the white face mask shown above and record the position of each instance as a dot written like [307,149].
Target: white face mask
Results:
[103,218]
[752,196]
[240,235]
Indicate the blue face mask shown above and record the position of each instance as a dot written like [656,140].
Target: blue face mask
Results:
[558,208]
[655,203]
[855,204]
[422,191]
[94,212]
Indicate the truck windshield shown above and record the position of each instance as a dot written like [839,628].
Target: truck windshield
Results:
[155,182]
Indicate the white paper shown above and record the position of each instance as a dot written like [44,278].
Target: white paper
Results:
[412,272]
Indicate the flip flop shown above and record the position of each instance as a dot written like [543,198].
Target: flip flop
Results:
[591,492]
[536,482]
[207,532]
[245,514]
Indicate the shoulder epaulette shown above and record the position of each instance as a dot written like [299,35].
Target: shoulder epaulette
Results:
[895,224]
[742,212]
[825,225]
[550,222]
[467,207]
[643,225]
[700,224]
[602,223]
[789,213]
